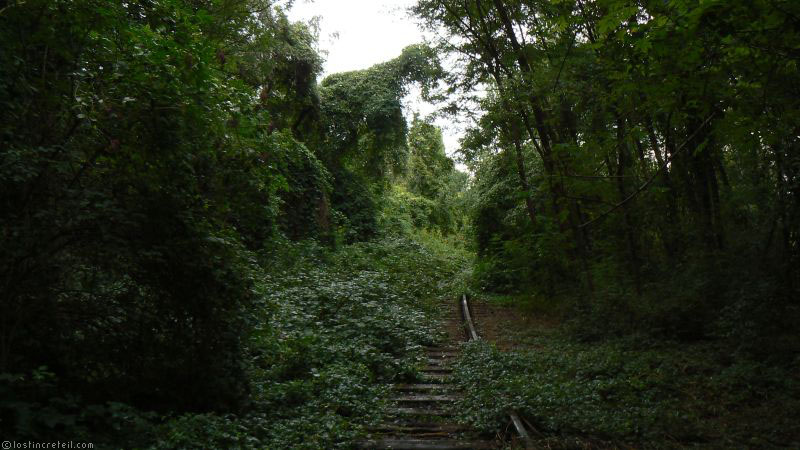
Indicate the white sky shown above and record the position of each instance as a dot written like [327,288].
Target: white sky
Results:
[357,34]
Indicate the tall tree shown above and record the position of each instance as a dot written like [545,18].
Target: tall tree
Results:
[629,111]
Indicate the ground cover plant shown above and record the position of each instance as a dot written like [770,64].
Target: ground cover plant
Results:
[334,329]
[330,330]
[634,390]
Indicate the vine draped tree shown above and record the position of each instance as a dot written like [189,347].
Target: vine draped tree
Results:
[361,135]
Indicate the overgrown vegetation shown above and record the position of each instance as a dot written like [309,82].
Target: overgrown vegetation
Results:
[631,391]
[205,246]
[636,177]
[636,159]
[333,328]
[159,162]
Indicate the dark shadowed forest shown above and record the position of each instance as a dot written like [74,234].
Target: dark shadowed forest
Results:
[208,242]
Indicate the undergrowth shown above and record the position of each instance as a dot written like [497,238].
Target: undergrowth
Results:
[631,391]
[329,330]
[332,329]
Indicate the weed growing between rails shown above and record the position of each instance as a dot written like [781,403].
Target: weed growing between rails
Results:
[333,329]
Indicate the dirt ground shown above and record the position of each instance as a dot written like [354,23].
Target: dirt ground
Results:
[509,327]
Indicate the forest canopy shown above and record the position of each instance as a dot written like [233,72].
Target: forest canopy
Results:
[640,156]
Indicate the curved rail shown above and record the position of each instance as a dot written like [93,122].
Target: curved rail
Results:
[473,336]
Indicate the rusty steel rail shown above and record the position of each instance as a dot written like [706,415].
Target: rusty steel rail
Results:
[473,336]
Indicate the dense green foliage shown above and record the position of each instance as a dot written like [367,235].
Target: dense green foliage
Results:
[155,157]
[204,246]
[132,186]
[431,193]
[329,330]
[635,174]
[334,328]
[634,390]
[636,159]
[362,134]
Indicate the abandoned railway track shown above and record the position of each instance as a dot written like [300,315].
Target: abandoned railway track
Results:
[423,415]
